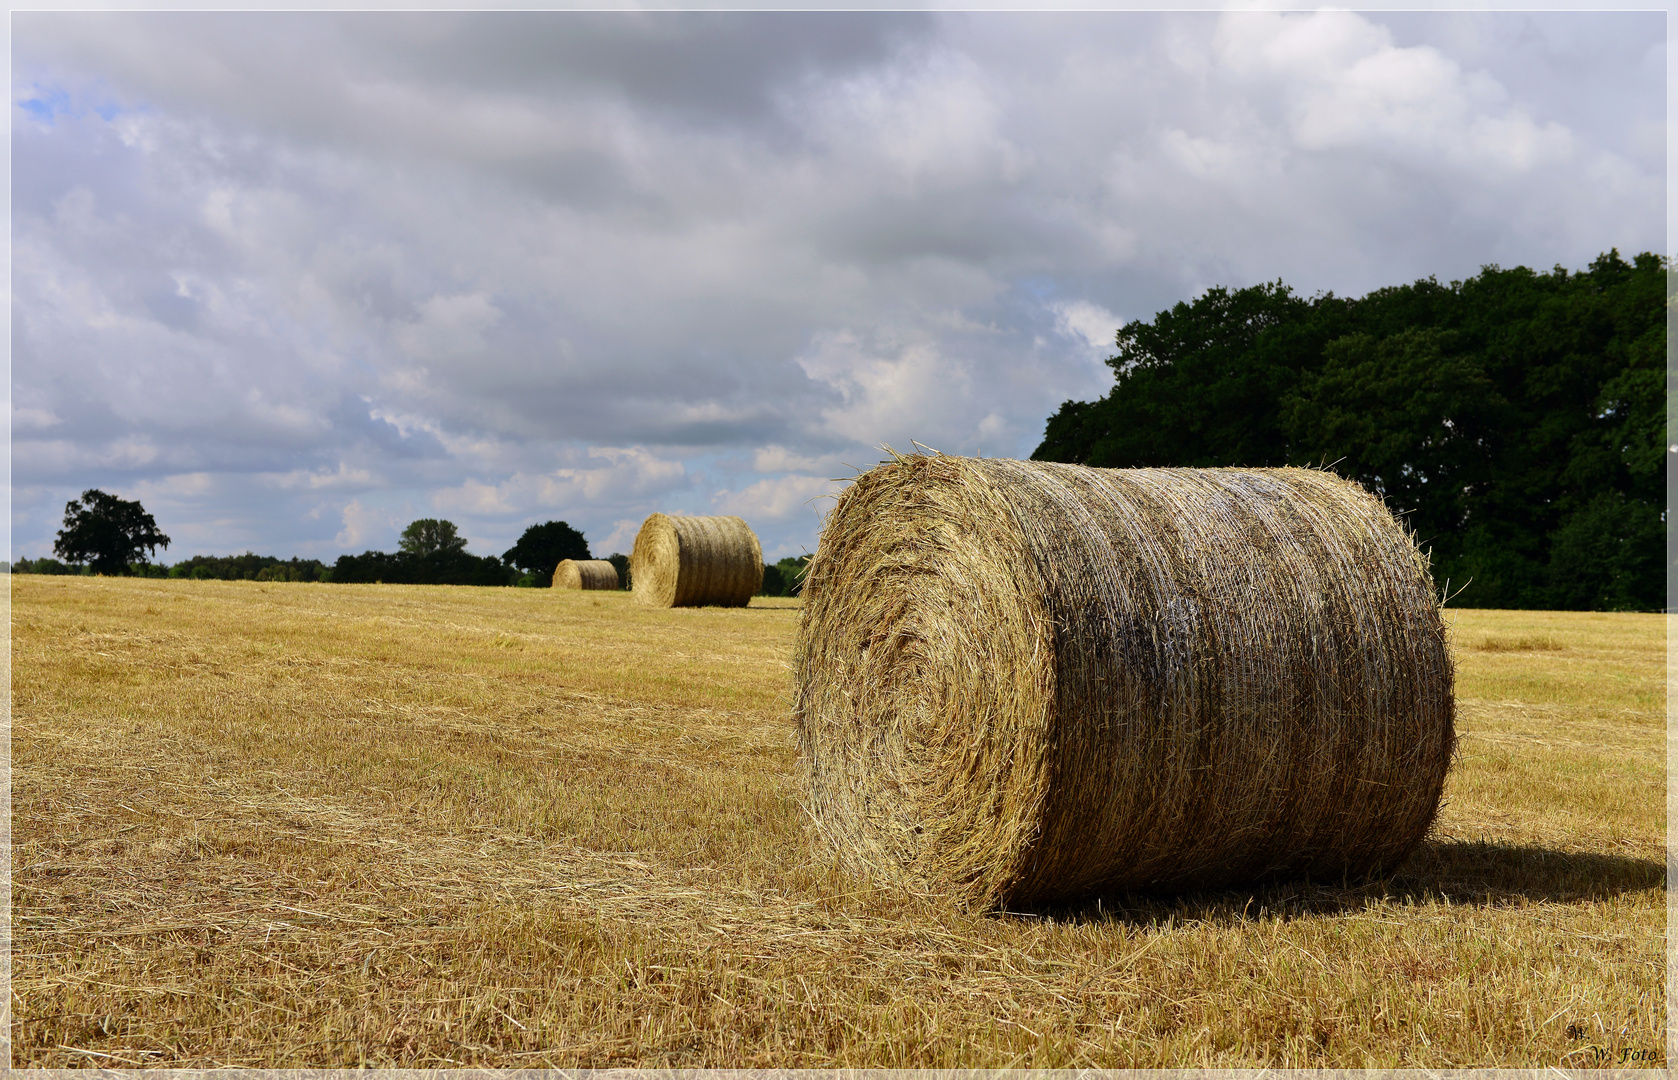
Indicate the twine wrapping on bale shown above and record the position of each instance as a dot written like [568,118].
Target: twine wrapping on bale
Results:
[695,561]
[585,574]
[1023,682]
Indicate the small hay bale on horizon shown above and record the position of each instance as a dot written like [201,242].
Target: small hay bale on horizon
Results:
[1022,682]
[695,562]
[585,574]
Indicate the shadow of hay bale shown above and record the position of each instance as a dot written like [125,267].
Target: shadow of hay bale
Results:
[1466,873]
[1475,869]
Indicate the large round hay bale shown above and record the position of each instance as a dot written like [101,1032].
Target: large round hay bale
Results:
[1023,682]
[695,561]
[585,574]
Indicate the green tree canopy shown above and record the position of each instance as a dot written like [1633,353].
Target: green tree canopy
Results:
[107,533]
[543,547]
[432,553]
[1515,419]
[429,536]
[784,577]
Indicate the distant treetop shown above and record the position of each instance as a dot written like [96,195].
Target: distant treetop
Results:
[543,547]
[428,536]
[107,533]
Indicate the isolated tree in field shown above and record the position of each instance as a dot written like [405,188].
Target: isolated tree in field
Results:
[107,533]
[545,546]
[428,536]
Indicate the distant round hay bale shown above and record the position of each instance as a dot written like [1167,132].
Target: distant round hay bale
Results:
[695,561]
[1022,682]
[585,574]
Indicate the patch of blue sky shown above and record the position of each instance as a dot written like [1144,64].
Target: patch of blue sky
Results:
[1039,288]
[47,104]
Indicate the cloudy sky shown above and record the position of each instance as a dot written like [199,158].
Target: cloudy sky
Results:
[295,280]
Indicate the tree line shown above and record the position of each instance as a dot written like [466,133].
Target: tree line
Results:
[1516,420]
[431,551]
[103,534]
[246,567]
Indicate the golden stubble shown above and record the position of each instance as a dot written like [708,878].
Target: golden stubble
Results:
[315,825]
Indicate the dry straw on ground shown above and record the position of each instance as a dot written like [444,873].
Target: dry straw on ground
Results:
[1023,682]
[695,562]
[266,825]
[585,574]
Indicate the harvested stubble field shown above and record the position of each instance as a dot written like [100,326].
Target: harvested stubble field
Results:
[316,825]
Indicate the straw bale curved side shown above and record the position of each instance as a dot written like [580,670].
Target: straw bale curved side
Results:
[585,574]
[1025,682]
[695,562]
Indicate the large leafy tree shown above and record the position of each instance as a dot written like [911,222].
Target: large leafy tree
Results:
[1201,384]
[543,547]
[1516,419]
[107,533]
[428,536]
[1408,416]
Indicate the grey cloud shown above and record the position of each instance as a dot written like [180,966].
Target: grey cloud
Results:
[721,67]
[1573,66]
[515,266]
[541,96]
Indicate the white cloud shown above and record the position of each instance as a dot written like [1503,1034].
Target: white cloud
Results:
[58,456]
[779,498]
[621,538]
[1208,159]
[777,458]
[516,265]
[632,469]
[885,390]
[363,525]
[1345,84]
[476,498]
[344,477]
[34,419]
[602,476]
[181,486]
[448,327]
[1091,324]
[929,126]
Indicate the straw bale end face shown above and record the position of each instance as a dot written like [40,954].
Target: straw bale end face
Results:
[585,574]
[695,562]
[1025,682]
